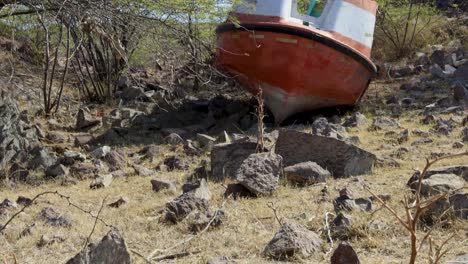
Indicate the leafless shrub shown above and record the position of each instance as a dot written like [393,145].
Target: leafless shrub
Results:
[414,209]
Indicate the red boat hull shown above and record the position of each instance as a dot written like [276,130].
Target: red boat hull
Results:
[296,70]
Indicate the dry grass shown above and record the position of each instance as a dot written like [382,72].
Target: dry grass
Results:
[251,223]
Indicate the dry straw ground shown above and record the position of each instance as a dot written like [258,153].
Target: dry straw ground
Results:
[250,223]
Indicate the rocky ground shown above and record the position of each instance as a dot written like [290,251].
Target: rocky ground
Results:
[179,177]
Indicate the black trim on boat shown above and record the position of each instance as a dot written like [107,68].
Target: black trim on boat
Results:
[305,34]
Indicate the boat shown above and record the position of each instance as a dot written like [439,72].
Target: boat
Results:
[299,60]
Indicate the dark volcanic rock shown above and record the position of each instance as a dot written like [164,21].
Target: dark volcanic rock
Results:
[199,188]
[54,218]
[306,173]
[182,206]
[117,204]
[459,170]
[459,203]
[384,122]
[439,183]
[340,158]
[175,163]
[322,127]
[57,171]
[110,250]
[344,254]
[293,240]
[18,139]
[340,226]
[162,184]
[356,120]
[260,172]
[84,120]
[237,191]
[201,220]
[226,158]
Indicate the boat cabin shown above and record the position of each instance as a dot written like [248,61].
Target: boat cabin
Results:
[352,21]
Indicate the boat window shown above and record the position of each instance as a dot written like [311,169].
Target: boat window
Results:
[312,8]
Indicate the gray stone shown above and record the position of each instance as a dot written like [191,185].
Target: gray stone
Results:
[345,202]
[101,152]
[83,170]
[8,204]
[438,57]
[365,204]
[443,127]
[461,259]
[41,157]
[344,254]
[407,102]
[437,71]
[175,163]
[462,73]
[460,93]
[384,122]
[84,120]
[403,136]
[103,181]
[24,201]
[340,226]
[459,170]
[200,220]
[179,208]
[459,204]
[458,145]
[121,201]
[355,140]
[17,138]
[199,188]
[56,137]
[260,172]
[439,183]
[57,171]
[237,191]
[110,250]
[428,119]
[220,260]
[449,70]
[422,141]
[115,160]
[226,158]
[356,120]
[82,140]
[293,240]
[150,152]
[74,155]
[464,134]
[322,127]
[54,218]
[163,184]
[340,158]
[306,173]
[133,93]
[143,171]
[128,113]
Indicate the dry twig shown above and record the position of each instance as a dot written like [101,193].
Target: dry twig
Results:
[414,210]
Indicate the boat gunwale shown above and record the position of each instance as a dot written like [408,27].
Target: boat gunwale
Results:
[304,33]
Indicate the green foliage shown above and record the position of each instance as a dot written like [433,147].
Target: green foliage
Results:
[404,26]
